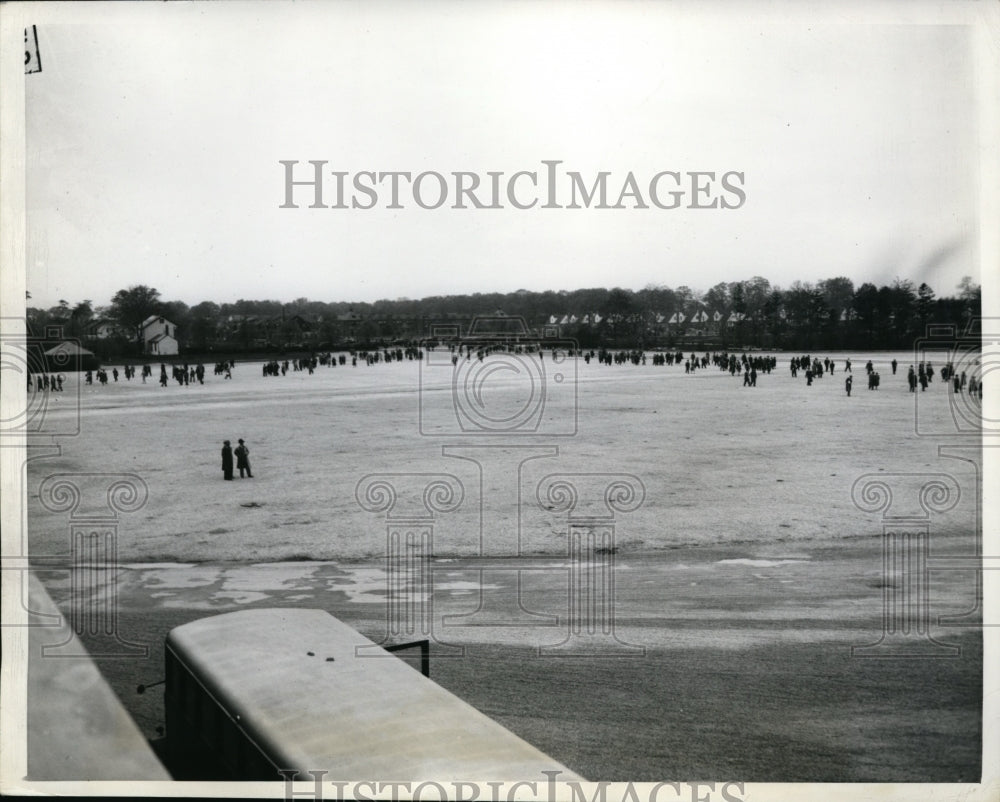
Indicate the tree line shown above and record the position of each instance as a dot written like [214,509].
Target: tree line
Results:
[830,314]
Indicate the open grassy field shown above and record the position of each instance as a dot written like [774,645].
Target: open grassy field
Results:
[745,575]
[719,463]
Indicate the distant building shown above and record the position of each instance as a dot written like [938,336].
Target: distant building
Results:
[159,336]
[350,324]
[102,329]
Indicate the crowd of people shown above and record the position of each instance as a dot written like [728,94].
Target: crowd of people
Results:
[745,366]
[44,382]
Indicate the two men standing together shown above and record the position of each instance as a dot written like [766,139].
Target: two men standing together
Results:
[242,460]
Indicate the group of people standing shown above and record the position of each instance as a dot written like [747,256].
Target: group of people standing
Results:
[46,381]
[242,454]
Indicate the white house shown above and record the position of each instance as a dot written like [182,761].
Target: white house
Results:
[159,336]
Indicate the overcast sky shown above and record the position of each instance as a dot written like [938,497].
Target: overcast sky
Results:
[154,141]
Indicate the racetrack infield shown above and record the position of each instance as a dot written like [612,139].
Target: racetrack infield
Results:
[745,576]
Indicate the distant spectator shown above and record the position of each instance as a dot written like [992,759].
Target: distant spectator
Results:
[243,459]
[227,461]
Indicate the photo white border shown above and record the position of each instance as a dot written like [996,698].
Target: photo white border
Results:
[984,17]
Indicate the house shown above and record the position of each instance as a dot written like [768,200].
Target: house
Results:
[103,329]
[350,320]
[100,330]
[159,336]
